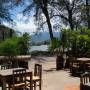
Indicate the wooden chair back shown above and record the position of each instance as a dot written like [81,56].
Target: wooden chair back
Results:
[85,78]
[38,70]
[75,63]
[19,76]
[6,66]
[84,81]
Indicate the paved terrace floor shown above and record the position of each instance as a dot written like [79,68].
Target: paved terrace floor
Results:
[52,79]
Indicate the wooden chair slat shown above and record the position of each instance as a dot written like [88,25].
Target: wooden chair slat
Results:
[84,81]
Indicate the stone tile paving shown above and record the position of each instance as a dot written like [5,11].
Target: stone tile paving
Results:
[52,79]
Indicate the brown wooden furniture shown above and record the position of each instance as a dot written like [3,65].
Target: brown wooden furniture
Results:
[21,61]
[6,66]
[59,62]
[37,77]
[68,62]
[75,68]
[85,81]
[21,57]
[3,67]
[29,81]
[85,62]
[19,79]
[7,74]
[80,65]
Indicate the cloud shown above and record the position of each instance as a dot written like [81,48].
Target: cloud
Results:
[21,25]
[20,17]
[26,27]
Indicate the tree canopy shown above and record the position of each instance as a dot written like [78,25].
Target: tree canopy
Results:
[4,10]
[69,13]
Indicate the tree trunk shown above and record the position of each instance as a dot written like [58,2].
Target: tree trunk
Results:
[87,13]
[3,35]
[48,22]
[70,20]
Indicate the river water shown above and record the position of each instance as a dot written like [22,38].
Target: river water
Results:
[39,48]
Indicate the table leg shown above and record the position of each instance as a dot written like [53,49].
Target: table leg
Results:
[84,68]
[4,84]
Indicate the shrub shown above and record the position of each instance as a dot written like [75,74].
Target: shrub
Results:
[9,47]
[15,46]
[23,44]
[78,42]
[74,42]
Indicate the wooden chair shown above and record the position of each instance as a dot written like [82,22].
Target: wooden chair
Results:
[3,67]
[29,81]
[18,80]
[87,66]
[6,66]
[37,77]
[85,81]
[76,68]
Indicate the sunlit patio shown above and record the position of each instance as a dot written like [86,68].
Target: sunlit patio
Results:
[55,80]
[52,79]
[44,44]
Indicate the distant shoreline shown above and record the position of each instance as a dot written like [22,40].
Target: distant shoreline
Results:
[39,48]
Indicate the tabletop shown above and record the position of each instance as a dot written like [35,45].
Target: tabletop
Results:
[27,57]
[9,72]
[83,59]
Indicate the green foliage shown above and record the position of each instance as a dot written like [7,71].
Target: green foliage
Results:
[78,41]
[9,47]
[55,43]
[55,46]
[15,46]
[23,44]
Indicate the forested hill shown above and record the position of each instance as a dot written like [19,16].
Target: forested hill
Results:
[43,36]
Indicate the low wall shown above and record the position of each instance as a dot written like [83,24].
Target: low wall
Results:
[22,60]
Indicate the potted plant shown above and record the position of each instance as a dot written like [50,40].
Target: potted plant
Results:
[57,49]
[59,58]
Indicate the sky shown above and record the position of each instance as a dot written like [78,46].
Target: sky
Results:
[20,23]
[19,20]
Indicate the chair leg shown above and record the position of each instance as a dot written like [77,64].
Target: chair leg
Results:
[34,85]
[40,85]
[31,87]
[9,87]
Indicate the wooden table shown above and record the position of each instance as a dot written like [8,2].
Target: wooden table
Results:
[79,65]
[20,60]
[83,61]
[19,57]
[5,74]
